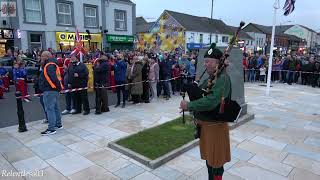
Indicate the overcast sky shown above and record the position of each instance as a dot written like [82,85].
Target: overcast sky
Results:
[307,12]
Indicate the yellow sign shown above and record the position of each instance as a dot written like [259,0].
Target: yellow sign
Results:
[68,36]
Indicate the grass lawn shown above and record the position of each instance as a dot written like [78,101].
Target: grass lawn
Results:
[160,140]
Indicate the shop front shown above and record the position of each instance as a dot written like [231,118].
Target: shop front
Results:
[120,42]
[6,40]
[65,40]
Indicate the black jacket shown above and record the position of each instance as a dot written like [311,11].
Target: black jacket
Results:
[82,80]
[101,73]
[51,71]
[145,72]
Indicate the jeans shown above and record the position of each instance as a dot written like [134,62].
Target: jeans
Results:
[119,90]
[290,77]
[251,76]
[153,86]
[166,86]
[51,104]
[42,104]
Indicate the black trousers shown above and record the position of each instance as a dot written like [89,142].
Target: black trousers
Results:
[102,100]
[119,90]
[81,98]
[146,92]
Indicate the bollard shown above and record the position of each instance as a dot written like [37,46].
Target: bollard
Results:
[20,112]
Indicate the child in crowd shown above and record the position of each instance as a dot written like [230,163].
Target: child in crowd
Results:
[263,73]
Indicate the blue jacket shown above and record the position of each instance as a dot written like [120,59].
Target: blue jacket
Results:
[120,69]
[192,69]
[186,63]
[51,71]
[3,71]
[166,67]
[19,73]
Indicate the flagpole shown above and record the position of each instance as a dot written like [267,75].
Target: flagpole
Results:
[276,7]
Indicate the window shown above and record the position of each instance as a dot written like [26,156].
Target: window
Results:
[251,43]
[192,38]
[33,11]
[201,38]
[120,20]
[90,17]
[64,14]
[35,41]
[225,39]
[217,39]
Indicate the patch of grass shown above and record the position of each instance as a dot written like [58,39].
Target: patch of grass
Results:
[160,140]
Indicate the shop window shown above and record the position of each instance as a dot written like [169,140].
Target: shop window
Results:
[217,38]
[120,20]
[225,39]
[201,38]
[90,16]
[36,41]
[64,14]
[33,11]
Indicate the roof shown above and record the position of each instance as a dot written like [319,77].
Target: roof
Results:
[141,28]
[127,1]
[242,34]
[279,31]
[309,29]
[140,20]
[200,24]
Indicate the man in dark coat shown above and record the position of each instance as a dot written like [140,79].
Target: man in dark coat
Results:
[78,78]
[50,84]
[101,70]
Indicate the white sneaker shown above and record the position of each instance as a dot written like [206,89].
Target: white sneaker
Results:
[65,112]
[72,111]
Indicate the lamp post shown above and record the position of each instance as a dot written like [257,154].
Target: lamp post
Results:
[211,17]
[276,6]
[89,39]
[67,30]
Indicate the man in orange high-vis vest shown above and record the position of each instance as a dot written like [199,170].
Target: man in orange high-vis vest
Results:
[50,83]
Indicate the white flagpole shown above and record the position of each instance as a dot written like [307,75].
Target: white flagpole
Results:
[276,6]
[81,60]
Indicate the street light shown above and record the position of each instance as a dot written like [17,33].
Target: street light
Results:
[211,17]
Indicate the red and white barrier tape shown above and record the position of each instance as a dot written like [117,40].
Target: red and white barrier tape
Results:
[80,89]
[304,72]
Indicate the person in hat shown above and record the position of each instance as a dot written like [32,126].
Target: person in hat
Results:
[214,135]
[101,83]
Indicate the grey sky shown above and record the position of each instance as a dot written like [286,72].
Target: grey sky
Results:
[307,12]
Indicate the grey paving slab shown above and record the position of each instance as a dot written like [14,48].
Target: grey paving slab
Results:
[129,172]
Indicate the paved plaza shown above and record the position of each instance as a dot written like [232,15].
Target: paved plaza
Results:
[282,142]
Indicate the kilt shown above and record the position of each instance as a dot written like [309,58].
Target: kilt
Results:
[215,143]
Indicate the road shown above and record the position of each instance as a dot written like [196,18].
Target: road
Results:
[33,110]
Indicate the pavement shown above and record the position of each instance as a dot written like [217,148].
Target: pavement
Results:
[33,110]
[282,142]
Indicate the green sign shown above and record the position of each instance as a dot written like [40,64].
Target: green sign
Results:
[120,39]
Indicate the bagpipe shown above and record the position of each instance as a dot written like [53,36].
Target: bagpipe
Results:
[228,110]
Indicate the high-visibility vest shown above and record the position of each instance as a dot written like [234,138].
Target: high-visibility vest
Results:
[53,86]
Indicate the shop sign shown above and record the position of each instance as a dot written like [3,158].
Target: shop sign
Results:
[120,39]
[66,36]
[6,34]
[194,45]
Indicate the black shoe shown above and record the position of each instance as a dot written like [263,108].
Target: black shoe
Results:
[86,112]
[117,105]
[59,127]
[48,132]
[123,106]
[22,130]
[105,110]
[97,113]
